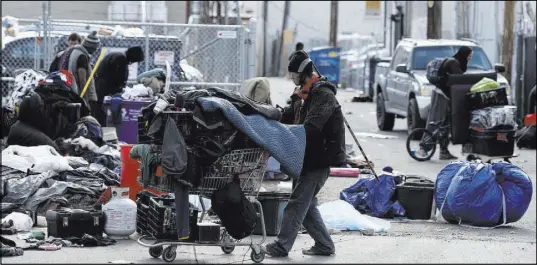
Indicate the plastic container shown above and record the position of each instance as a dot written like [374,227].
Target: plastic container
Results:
[130,172]
[273,205]
[416,195]
[65,223]
[208,232]
[120,214]
[489,98]
[498,143]
[123,115]
[161,221]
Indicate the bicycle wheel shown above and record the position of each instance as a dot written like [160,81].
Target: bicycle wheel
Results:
[427,144]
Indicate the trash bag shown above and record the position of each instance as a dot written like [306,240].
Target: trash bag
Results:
[341,215]
[443,180]
[474,197]
[527,137]
[474,193]
[494,117]
[35,158]
[517,188]
[21,221]
[484,85]
[19,190]
[370,196]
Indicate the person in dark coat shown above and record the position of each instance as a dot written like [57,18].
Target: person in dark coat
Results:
[440,104]
[33,125]
[111,77]
[72,40]
[315,106]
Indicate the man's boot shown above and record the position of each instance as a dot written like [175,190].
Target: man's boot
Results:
[446,155]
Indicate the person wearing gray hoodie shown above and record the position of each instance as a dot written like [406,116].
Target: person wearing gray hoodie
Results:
[76,59]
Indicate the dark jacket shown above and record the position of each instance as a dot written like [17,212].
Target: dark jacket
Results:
[450,67]
[25,135]
[111,76]
[323,120]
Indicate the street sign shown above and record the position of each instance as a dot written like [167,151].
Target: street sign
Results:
[227,34]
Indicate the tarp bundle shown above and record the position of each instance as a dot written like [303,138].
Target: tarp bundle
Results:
[370,196]
[482,194]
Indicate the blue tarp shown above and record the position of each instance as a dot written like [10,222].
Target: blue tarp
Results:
[473,193]
[286,143]
[373,197]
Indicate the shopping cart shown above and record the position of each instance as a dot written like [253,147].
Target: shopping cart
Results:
[246,164]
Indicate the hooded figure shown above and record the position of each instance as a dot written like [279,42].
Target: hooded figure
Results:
[111,77]
[76,59]
[440,105]
[315,106]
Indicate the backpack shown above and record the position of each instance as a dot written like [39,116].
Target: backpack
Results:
[237,213]
[433,68]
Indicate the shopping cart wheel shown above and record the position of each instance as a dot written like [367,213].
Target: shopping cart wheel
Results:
[257,257]
[155,252]
[228,249]
[169,254]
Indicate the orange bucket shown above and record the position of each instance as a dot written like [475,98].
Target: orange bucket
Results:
[130,172]
[530,119]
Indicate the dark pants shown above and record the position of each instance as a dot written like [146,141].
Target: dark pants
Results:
[98,112]
[440,110]
[182,210]
[302,210]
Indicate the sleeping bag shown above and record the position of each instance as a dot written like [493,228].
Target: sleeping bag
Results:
[480,194]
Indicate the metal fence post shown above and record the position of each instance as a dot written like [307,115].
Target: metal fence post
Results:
[252,47]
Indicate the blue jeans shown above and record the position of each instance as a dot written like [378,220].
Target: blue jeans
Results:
[302,211]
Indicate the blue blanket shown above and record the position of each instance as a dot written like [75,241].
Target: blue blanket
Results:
[286,143]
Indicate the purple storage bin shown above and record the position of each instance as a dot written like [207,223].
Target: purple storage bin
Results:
[126,124]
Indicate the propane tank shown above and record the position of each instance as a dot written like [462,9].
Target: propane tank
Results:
[120,214]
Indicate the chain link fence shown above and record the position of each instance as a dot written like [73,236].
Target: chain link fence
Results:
[200,55]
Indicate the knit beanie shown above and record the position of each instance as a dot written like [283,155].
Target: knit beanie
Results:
[134,54]
[297,58]
[91,42]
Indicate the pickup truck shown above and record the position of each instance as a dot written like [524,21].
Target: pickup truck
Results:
[407,92]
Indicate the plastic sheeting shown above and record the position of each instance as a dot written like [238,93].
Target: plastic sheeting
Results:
[370,196]
[38,159]
[475,193]
[341,215]
[494,117]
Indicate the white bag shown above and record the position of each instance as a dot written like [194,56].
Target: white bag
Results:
[21,222]
[340,215]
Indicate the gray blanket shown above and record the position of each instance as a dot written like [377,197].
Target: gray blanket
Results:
[286,143]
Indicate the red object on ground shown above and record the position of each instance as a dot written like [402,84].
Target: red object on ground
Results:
[530,119]
[347,172]
[130,171]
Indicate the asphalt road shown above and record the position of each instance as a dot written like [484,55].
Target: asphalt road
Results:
[411,242]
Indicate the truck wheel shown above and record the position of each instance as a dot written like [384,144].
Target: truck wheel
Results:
[385,121]
[413,119]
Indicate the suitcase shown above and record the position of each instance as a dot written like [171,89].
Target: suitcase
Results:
[66,223]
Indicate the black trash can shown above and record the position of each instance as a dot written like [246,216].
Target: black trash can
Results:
[273,205]
[416,195]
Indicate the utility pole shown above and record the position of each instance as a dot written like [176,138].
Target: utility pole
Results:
[265,23]
[333,23]
[508,35]
[220,19]
[284,26]
[434,19]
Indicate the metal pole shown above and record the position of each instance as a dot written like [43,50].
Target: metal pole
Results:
[385,22]
[239,18]
[49,39]
[284,26]
[226,11]
[42,43]
[265,23]
[146,31]
[333,23]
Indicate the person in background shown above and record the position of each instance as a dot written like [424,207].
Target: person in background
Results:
[76,59]
[440,98]
[111,77]
[72,40]
[315,106]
